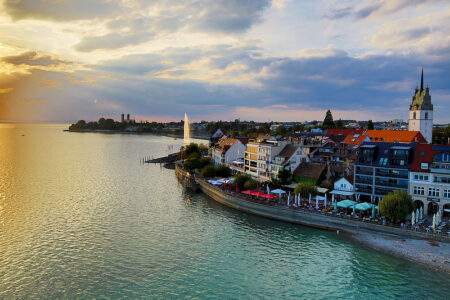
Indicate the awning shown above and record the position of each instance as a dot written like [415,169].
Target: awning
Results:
[345,203]
[215,182]
[364,206]
[322,190]
[343,193]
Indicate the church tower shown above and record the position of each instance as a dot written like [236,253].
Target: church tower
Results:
[421,112]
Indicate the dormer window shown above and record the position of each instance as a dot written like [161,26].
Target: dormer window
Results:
[399,156]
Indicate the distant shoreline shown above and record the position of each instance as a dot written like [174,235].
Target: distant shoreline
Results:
[133,132]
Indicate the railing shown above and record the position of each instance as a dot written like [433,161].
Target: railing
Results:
[389,174]
[365,190]
[394,185]
[364,172]
[363,181]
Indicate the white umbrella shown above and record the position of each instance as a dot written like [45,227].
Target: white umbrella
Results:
[325,200]
[278,191]
[289,200]
[309,199]
[268,189]
[317,203]
[296,199]
[413,218]
[417,215]
[299,199]
[434,221]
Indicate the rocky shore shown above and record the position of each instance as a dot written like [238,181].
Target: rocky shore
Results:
[434,254]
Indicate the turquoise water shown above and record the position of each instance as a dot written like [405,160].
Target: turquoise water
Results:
[81,217]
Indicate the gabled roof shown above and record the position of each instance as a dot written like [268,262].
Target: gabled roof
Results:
[310,170]
[395,136]
[288,151]
[386,136]
[224,144]
[425,154]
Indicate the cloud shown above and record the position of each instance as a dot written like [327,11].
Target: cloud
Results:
[112,41]
[6,90]
[32,58]
[60,10]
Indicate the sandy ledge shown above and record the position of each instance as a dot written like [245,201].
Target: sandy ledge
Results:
[433,254]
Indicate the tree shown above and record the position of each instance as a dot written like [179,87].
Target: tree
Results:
[208,171]
[251,184]
[240,180]
[305,188]
[280,130]
[328,121]
[340,124]
[370,125]
[284,176]
[223,171]
[396,205]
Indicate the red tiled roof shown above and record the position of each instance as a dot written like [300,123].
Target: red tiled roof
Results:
[392,136]
[386,136]
[424,154]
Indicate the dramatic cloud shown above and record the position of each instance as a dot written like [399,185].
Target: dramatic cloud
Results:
[63,60]
[60,10]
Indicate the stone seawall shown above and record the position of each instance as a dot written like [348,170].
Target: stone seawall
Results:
[300,216]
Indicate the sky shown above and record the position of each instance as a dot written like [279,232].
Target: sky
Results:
[262,60]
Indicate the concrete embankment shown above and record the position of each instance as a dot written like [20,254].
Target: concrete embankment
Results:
[376,236]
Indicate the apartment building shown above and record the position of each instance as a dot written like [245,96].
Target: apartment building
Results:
[429,179]
[381,168]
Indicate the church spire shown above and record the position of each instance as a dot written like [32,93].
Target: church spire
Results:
[421,81]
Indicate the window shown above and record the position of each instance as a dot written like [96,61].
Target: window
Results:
[421,177]
[419,190]
[442,179]
[433,192]
[424,166]
[447,194]
[426,115]
[414,115]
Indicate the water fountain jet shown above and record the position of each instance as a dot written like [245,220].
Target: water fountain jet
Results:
[187,130]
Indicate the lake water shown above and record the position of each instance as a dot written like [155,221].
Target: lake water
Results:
[81,217]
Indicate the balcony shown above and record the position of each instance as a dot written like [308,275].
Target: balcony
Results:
[364,172]
[365,190]
[393,185]
[363,181]
[391,174]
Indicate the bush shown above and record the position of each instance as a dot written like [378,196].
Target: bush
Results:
[223,171]
[396,206]
[305,188]
[240,180]
[203,162]
[251,184]
[208,171]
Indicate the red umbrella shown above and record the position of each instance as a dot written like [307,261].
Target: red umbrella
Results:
[236,188]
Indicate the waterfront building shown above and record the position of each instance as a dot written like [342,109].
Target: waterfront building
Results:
[381,168]
[227,150]
[421,112]
[343,188]
[289,158]
[259,155]
[429,179]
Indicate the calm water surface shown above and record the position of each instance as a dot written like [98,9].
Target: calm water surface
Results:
[81,217]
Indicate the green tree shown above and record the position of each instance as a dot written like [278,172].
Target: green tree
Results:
[396,205]
[223,171]
[280,130]
[208,171]
[370,125]
[298,127]
[340,124]
[251,184]
[284,176]
[305,188]
[240,180]
[328,121]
